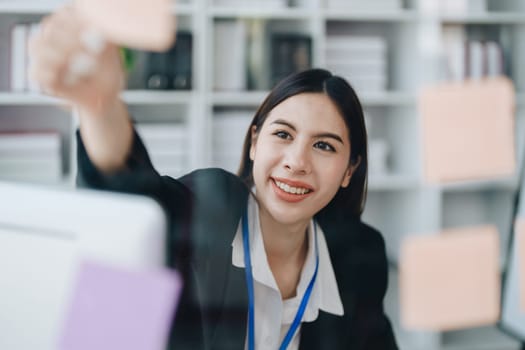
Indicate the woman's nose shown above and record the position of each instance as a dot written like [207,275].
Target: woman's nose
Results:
[297,159]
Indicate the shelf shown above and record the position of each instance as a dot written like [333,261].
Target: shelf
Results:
[485,18]
[183,9]
[392,182]
[386,16]
[238,98]
[44,7]
[157,97]
[388,99]
[255,98]
[255,12]
[130,96]
[507,184]
[29,7]
[27,98]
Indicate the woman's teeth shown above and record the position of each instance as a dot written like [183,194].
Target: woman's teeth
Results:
[291,189]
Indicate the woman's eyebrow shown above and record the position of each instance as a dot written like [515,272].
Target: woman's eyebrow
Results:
[320,135]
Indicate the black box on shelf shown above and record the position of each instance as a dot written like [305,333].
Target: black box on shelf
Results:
[291,53]
[171,70]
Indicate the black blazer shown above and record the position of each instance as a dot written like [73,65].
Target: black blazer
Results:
[204,209]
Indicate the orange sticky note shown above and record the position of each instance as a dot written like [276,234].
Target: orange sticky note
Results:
[450,280]
[520,240]
[468,130]
[141,24]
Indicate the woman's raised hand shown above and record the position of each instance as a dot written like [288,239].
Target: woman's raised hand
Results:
[71,61]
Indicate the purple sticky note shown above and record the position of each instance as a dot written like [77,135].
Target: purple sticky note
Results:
[115,308]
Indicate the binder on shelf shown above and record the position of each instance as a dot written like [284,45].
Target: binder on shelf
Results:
[476,61]
[181,59]
[494,61]
[454,39]
[291,53]
[229,62]
[450,280]
[18,60]
[171,70]
[32,86]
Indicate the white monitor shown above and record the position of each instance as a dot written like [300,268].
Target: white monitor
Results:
[44,234]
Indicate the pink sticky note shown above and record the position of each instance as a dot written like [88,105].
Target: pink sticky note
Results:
[520,240]
[468,130]
[451,280]
[113,308]
[141,24]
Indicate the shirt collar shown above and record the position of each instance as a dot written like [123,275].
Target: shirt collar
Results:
[325,295]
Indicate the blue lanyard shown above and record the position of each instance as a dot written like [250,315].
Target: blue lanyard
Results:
[249,281]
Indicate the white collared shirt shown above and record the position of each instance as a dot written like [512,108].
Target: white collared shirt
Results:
[273,316]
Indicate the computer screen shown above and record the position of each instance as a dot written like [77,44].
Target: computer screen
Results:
[512,315]
[45,233]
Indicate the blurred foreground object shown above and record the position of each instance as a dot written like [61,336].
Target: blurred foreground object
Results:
[450,280]
[118,308]
[139,24]
[468,130]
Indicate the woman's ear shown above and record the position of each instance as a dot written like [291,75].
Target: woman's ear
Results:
[349,172]
[253,142]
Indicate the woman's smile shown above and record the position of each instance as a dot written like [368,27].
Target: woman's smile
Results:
[291,191]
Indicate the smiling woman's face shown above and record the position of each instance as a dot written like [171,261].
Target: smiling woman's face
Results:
[300,157]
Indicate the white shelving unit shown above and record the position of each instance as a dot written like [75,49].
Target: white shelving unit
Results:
[399,202]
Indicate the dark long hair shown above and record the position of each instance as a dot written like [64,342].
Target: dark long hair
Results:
[349,200]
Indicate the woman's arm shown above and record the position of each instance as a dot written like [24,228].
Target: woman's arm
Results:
[69,61]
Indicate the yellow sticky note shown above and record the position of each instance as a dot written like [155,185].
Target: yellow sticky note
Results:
[450,280]
[141,24]
[468,130]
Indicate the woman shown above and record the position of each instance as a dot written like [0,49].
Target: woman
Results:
[276,257]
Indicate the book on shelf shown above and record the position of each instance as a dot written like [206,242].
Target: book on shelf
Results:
[362,60]
[229,130]
[475,59]
[29,142]
[472,59]
[378,152]
[20,59]
[171,70]
[229,61]
[291,53]
[167,146]
[30,156]
[454,39]
[355,44]
[462,7]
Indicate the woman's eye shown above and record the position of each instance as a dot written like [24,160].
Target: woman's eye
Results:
[283,135]
[324,146]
